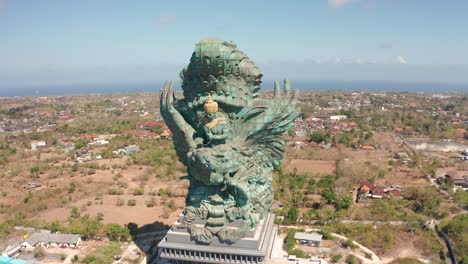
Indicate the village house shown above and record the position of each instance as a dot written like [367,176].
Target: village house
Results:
[458,179]
[141,134]
[35,145]
[371,190]
[338,117]
[309,239]
[166,134]
[128,150]
[45,239]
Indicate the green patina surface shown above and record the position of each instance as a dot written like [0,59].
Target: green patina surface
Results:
[229,138]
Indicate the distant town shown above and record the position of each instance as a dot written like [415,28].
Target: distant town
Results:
[368,178]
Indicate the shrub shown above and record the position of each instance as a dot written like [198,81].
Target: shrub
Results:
[139,191]
[349,244]
[351,259]
[336,258]
[120,202]
[39,252]
[89,259]
[151,202]
[131,202]
[114,191]
[171,205]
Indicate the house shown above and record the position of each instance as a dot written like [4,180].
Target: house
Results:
[338,117]
[132,149]
[368,147]
[310,239]
[12,251]
[369,189]
[458,179]
[51,240]
[166,134]
[129,150]
[151,124]
[99,142]
[352,124]
[141,134]
[403,156]
[35,145]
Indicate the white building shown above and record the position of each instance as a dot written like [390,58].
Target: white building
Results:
[38,144]
[338,117]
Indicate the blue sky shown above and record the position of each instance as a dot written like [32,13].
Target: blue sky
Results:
[50,42]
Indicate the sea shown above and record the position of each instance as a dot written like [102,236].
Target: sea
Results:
[323,85]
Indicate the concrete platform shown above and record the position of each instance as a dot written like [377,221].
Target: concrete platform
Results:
[256,247]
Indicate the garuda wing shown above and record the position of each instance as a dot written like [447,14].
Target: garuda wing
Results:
[277,118]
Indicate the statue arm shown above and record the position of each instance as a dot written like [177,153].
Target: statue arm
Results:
[181,130]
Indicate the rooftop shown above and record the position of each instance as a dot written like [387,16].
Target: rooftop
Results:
[308,236]
[52,238]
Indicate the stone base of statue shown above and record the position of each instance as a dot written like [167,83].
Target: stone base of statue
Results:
[255,247]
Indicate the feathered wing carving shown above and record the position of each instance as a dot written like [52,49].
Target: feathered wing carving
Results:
[279,115]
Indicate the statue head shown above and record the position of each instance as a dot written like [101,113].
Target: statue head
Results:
[218,66]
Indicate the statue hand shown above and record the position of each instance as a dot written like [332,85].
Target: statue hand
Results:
[175,121]
[287,97]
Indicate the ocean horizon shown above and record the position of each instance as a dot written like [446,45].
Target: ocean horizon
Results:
[320,85]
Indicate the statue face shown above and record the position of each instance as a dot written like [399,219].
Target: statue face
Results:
[213,165]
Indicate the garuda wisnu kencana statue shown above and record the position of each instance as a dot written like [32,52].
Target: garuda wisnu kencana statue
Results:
[229,138]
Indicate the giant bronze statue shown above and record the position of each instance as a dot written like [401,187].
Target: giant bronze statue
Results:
[229,138]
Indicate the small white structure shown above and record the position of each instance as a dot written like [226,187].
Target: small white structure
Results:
[338,117]
[99,142]
[129,150]
[310,239]
[38,144]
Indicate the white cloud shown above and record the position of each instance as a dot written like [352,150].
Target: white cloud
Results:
[166,19]
[339,3]
[401,60]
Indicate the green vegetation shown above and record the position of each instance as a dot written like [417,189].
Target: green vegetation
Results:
[105,254]
[457,230]
[406,261]
[318,137]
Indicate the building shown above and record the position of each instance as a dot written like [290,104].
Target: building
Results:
[338,117]
[166,134]
[310,239]
[141,134]
[128,150]
[35,145]
[458,179]
[51,240]
[255,248]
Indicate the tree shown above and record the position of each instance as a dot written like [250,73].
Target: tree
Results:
[318,137]
[74,167]
[35,171]
[351,259]
[292,215]
[71,187]
[328,195]
[81,143]
[74,213]
[39,252]
[133,228]
[343,203]
[117,232]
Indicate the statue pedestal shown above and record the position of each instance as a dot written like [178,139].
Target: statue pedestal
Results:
[177,246]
